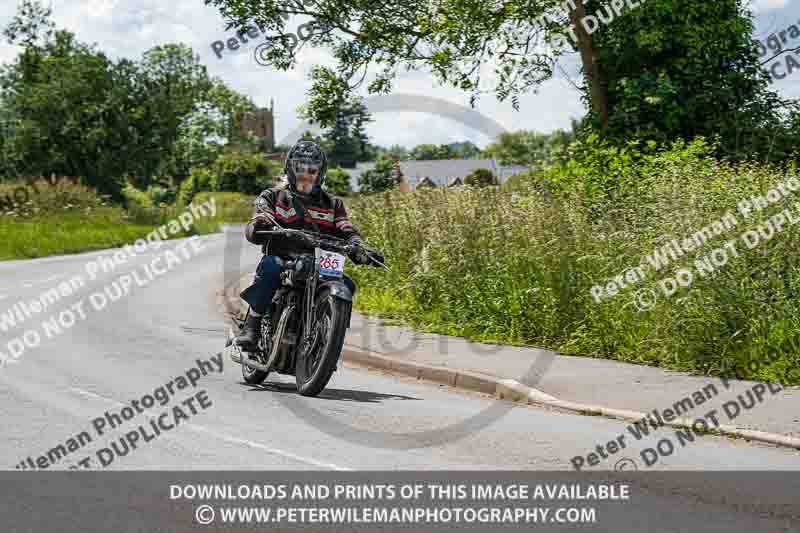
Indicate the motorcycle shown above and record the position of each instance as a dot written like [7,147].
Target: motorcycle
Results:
[304,331]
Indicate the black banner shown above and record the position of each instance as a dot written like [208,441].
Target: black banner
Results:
[400,501]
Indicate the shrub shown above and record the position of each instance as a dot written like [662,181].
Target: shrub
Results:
[480,177]
[42,196]
[599,172]
[338,182]
[234,171]
[136,198]
[162,195]
[379,179]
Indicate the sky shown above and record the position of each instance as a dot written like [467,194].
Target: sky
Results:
[126,28]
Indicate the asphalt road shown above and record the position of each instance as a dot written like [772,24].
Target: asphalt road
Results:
[365,420]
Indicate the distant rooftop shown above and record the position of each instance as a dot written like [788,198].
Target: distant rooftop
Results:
[442,171]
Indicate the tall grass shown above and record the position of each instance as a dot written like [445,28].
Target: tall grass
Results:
[518,268]
[46,197]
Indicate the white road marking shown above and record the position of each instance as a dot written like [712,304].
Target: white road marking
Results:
[268,449]
[32,283]
[16,263]
[221,436]
[52,259]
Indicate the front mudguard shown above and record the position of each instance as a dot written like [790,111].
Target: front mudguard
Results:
[339,290]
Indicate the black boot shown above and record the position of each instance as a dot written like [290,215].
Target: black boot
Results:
[250,333]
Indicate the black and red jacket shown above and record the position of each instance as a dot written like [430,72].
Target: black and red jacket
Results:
[324,212]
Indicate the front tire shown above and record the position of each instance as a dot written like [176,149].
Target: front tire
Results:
[316,366]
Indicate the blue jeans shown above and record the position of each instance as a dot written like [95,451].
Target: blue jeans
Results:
[267,280]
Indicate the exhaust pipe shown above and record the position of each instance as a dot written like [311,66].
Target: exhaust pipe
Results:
[235,354]
[248,363]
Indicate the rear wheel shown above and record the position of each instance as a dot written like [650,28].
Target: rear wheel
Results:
[317,364]
[253,376]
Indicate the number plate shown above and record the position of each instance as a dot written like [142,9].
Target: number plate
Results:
[331,264]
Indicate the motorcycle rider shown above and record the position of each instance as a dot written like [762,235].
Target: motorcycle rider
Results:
[299,204]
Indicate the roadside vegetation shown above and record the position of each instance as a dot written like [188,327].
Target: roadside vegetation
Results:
[63,217]
[517,266]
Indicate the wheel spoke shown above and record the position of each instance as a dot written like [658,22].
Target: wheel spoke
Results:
[319,341]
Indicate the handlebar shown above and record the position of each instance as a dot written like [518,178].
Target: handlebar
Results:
[313,239]
[317,240]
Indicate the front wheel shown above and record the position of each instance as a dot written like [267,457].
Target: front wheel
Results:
[316,364]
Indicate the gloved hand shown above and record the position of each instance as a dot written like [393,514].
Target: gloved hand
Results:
[377,257]
[366,256]
[259,222]
[263,221]
[360,254]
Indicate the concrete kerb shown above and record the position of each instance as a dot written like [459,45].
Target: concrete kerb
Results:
[506,389]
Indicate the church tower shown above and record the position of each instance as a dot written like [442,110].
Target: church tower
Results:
[260,123]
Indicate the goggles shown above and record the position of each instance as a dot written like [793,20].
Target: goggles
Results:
[302,167]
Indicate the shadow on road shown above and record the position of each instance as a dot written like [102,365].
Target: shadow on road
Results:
[333,394]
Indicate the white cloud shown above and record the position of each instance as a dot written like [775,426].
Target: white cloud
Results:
[759,6]
[128,28]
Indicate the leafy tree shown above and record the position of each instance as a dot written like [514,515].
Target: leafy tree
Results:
[480,177]
[344,149]
[529,148]
[212,124]
[684,76]
[74,112]
[180,108]
[460,42]
[667,68]
[338,181]
[465,150]
[8,122]
[347,138]
[67,99]
[31,27]
[517,148]
[361,118]
[398,152]
[380,178]
[425,152]
[461,150]
[320,140]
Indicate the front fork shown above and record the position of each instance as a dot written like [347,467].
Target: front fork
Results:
[310,305]
[337,291]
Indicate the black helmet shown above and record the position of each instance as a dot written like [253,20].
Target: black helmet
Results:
[303,156]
